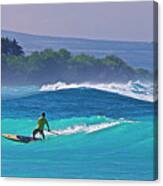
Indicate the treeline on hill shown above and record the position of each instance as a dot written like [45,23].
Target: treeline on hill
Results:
[52,66]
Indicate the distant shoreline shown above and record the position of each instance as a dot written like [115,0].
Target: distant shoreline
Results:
[75,38]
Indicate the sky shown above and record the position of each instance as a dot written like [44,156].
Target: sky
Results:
[122,21]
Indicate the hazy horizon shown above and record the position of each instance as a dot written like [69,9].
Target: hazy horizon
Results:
[82,38]
[113,21]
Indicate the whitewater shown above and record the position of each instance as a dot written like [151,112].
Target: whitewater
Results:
[137,89]
[87,128]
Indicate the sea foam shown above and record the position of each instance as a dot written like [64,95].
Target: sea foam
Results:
[84,128]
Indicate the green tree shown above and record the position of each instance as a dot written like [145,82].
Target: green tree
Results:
[64,54]
[11,47]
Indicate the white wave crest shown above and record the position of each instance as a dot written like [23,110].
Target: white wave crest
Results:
[137,89]
[87,128]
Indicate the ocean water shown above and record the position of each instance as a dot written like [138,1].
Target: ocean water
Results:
[104,133]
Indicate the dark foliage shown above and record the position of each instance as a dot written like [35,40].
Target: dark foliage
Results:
[10,47]
[51,66]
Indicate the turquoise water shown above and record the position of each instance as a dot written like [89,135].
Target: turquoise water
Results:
[103,135]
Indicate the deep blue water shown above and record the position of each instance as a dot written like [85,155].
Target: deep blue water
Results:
[115,140]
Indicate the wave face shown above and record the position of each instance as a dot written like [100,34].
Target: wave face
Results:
[70,102]
[137,89]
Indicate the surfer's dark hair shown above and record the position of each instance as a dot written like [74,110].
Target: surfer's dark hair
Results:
[43,114]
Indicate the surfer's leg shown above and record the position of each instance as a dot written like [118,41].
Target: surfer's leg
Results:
[35,132]
[42,133]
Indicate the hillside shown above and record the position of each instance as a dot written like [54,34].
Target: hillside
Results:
[136,54]
[51,66]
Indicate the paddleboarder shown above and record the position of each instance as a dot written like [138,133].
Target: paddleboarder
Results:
[42,121]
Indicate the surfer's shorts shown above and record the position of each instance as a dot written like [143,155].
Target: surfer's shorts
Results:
[38,130]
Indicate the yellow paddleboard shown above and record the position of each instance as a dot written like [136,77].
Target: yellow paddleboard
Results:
[19,138]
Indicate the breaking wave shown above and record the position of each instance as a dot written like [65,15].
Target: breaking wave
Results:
[84,128]
[137,89]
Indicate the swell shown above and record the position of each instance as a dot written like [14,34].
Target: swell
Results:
[13,92]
